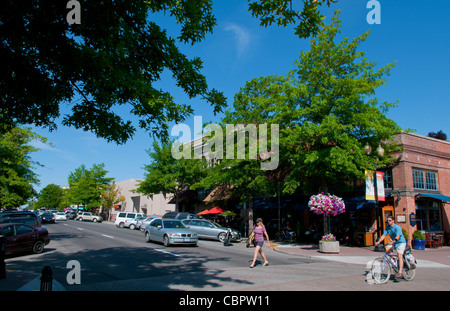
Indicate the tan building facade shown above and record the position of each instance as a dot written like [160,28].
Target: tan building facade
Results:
[139,203]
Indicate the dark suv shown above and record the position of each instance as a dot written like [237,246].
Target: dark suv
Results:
[181,215]
[28,218]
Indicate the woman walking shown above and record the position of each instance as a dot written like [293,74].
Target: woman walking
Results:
[259,231]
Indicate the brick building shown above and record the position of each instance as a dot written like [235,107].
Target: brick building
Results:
[419,185]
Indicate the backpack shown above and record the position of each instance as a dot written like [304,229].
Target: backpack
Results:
[409,258]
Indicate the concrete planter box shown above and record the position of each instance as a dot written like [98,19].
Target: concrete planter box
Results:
[329,247]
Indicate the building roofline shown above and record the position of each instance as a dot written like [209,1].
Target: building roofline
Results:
[426,137]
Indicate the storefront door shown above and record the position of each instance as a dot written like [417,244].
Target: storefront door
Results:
[386,212]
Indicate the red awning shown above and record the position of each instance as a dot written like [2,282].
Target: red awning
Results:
[216,210]
[205,212]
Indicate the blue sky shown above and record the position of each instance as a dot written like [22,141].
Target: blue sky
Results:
[414,33]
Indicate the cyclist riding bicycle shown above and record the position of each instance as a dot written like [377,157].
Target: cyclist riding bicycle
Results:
[398,241]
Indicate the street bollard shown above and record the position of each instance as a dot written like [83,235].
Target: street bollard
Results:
[46,279]
[2,257]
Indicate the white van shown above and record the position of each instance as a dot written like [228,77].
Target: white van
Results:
[123,216]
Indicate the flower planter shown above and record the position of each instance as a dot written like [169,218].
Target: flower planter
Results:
[329,247]
[419,244]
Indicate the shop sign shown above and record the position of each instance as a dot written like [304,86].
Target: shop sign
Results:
[412,219]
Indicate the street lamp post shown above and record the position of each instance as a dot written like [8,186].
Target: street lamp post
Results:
[380,151]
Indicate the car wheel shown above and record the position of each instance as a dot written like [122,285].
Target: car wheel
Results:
[147,237]
[132,227]
[166,241]
[121,225]
[38,247]
[222,236]
[80,219]
[95,220]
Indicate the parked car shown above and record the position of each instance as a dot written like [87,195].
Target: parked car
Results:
[169,231]
[143,222]
[122,216]
[28,218]
[21,237]
[181,215]
[48,217]
[210,230]
[131,223]
[60,216]
[88,216]
[71,215]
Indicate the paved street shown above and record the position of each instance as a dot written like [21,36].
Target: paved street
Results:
[120,260]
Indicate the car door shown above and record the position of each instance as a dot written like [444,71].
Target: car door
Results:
[209,231]
[25,236]
[156,230]
[10,235]
[195,226]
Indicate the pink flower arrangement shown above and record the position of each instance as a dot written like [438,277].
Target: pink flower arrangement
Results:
[329,238]
[330,205]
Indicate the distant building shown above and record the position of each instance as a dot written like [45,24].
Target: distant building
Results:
[136,202]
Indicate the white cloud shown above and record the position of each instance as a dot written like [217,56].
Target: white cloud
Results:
[242,37]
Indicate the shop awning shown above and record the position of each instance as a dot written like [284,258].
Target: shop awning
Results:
[353,203]
[440,197]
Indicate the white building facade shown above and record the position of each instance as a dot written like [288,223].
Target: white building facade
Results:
[139,203]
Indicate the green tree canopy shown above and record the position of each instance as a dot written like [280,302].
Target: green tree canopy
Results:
[327,113]
[168,175]
[50,197]
[16,166]
[111,195]
[113,58]
[88,185]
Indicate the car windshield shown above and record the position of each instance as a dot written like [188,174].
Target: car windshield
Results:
[173,224]
[217,225]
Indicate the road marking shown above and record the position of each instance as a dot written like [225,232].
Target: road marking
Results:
[80,229]
[108,236]
[166,252]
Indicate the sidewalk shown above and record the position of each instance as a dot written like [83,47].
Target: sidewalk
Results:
[25,281]
[428,258]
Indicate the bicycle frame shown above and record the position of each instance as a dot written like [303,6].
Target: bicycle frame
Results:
[382,267]
[392,260]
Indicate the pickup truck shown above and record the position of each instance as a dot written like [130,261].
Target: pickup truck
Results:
[87,216]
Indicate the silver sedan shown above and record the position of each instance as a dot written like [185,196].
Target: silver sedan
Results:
[169,231]
[210,230]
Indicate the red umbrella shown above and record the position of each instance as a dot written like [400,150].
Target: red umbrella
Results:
[216,210]
[205,212]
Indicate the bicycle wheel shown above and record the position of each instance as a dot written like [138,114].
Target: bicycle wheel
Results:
[381,270]
[409,274]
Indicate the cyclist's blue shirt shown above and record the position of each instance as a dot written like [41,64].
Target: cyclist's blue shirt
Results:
[393,232]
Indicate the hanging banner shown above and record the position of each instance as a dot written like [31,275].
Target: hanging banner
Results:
[370,189]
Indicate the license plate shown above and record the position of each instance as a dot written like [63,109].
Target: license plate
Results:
[187,240]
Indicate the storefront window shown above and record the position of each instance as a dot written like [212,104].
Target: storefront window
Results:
[428,216]
[387,176]
[424,180]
